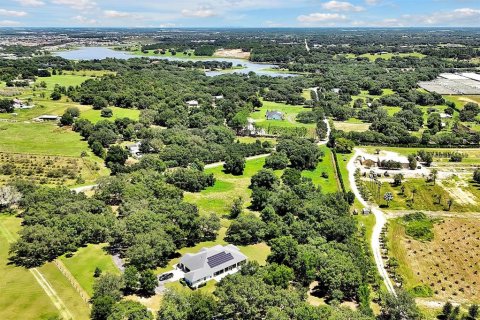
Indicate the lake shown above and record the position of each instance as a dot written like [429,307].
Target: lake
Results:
[91,53]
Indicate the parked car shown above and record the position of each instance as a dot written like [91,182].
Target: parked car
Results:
[165,276]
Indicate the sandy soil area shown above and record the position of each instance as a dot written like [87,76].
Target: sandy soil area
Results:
[232,53]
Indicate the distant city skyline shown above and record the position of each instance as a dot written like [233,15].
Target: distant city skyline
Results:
[240,13]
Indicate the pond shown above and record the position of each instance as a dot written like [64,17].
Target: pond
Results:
[91,53]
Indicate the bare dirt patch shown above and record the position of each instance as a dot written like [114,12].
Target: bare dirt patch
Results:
[449,264]
[232,53]
[459,194]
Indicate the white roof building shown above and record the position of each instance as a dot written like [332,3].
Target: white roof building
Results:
[210,263]
[192,103]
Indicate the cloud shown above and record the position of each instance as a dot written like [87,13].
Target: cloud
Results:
[322,18]
[84,20]
[76,4]
[457,17]
[199,13]
[12,13]
[341,6]
[8,23]
[31,3]
[116,14]
[372,2]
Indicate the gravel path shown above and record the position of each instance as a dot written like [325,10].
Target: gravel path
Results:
[380,221]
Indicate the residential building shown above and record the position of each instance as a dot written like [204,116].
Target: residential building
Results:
[211,263]
[274,115]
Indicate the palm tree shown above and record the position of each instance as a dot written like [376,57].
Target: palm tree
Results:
[388,197]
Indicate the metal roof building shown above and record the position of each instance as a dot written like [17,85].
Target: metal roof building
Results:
[210,263]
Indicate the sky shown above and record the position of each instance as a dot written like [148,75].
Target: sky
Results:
[239,13]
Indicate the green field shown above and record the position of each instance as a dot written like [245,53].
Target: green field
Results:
[388,56]
[21,295]
[290,112]
[83,263]
[330,184]
[94,115]
[40,138]
[460,101]
[65,80]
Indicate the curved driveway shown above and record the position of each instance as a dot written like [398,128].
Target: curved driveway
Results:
[380,221]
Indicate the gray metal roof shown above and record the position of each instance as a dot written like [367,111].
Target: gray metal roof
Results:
[210,260]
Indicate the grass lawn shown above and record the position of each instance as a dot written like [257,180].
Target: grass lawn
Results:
[94,115]
[460,101]
[364,95]
[392,110]
[388,56]
[40,138]
[306,93]
[65,80]
[21,296]
[330,184]
[83,263]
[253,139]
[289,111]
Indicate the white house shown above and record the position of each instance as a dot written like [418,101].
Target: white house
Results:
[192,104]
[211,263]
[134,149]
[18,104]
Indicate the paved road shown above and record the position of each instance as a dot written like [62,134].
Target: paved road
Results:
[380,221]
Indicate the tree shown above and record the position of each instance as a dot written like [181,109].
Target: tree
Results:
[434,123]
[234,164]
[388,197]
[6,105]
[278,275]
[276,161]
[55,95]
[476,175]
[433,175]
[108,285]
[106,113]
[131,278]
[116,155]
[265,178]
[97,273]
[291,177]
[397,179]
[148,282]
[102,307]
[284,250]
[237,208]
[412,162]
[99,103]
[98,149]
[66,119]
[343,145]
[399,307]
[130,310]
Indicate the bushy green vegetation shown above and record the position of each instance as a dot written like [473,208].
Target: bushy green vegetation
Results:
[418,226]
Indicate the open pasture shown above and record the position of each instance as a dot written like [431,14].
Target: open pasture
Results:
[95,115]
[290,112]
[448,265]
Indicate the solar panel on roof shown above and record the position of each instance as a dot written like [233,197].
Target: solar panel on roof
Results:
[218,259]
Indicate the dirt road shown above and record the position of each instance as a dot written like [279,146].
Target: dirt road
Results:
[380,221]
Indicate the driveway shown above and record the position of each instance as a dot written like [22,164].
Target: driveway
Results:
[177,275]
[380,221]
